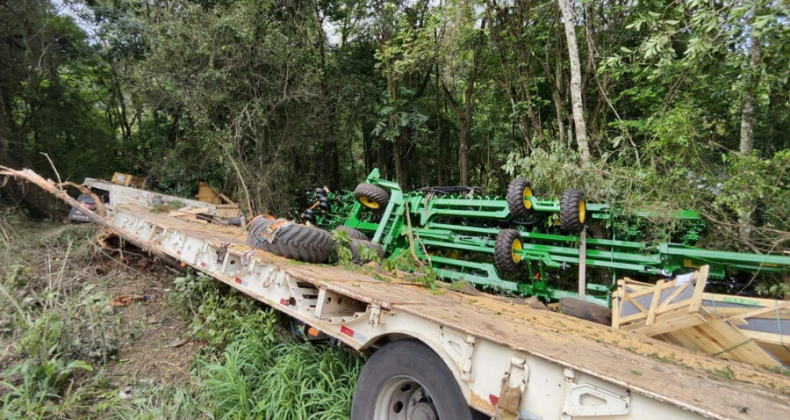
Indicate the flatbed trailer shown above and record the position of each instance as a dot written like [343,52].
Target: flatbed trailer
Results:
[508,360]
[499,356]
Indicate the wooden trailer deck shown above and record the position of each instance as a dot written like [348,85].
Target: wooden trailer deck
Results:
[696,382]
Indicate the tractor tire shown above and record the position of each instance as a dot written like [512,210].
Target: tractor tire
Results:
[573,211]
[507,241]
[295,242]
[356,257]
[589,311]
[406,379]
[516,191]
[371,196]
[352,233]
[256,227]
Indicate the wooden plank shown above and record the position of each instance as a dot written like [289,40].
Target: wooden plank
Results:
[672,297]
[760,311]
[225,197]
[188,211]
[638,305]
[720,339]
[732,313]
[702,279]
[651,314]
[669,323]
[617,303]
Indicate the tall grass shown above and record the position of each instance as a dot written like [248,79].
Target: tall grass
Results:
[57,338]
[264,372]
[258,378]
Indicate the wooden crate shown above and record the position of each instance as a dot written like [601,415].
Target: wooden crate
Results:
[672,311]
[128,180]
[207,194]
[226,211]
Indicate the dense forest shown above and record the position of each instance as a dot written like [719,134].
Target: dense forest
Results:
[662,104]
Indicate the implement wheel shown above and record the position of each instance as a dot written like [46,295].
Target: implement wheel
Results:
[371,196]
[352,233]
[518,193]
[296,242]
[356,246]
[407,380]
[573,211]
[589,311]
[508,241]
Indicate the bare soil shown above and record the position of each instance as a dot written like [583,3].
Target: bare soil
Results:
[150,340]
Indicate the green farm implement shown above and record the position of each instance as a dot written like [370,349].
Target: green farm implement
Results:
[508,243]
[328,209]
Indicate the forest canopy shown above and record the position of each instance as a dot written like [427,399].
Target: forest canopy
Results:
[649,104]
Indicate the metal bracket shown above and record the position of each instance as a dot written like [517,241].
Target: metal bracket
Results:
[466,373]
[514,383]
[607,403]
[375,315]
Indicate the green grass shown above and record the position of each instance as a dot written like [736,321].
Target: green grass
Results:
[250,367]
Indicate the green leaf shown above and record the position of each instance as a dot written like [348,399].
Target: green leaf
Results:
[79,364]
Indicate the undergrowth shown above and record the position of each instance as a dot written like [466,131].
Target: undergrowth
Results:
[59,335]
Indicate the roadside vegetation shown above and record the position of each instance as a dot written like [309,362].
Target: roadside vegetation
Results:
[195,349]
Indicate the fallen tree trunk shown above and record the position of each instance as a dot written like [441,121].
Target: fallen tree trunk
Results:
[99,218]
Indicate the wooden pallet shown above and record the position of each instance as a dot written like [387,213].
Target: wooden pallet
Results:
[672,311]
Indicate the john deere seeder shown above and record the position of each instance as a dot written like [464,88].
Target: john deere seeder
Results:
[508,243]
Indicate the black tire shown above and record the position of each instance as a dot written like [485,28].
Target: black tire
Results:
[371,196]
[409,360]
[516,191]
[589,311]
[507,241]
[352,233]
[573,211]
[296,242]
[356,256]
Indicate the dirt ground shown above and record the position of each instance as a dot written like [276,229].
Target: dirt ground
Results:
[52,266]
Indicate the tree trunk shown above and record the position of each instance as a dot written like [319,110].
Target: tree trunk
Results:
[747,115]
[576,81]
[463,161]
[747,129]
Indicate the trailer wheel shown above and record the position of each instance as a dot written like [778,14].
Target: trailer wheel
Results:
[296,242]
[517,198]
[589,311]
[507,242]
[352,233]
[407,380]
[371,196]
[573,211]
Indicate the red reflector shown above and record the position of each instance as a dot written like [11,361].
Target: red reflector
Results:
[537,276]
[202,264]
[347,331]
[90,206]
[238,280]
[178,252]
[494,399]
[284,302]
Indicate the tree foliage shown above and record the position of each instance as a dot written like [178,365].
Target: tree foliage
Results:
[265,99]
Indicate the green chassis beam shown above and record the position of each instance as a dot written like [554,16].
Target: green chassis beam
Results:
[492,280]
